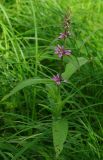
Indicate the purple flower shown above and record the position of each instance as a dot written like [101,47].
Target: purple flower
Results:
[57,79]
[61,51]
[64,35]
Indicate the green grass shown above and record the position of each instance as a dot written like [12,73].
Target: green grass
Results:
[28,36]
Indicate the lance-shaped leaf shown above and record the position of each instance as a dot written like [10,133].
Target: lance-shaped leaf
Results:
[73,66]
[60,130]
[25,83]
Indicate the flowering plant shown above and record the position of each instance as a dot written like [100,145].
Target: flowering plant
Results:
[60,50]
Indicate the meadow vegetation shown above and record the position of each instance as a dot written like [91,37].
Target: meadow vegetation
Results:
[40,120]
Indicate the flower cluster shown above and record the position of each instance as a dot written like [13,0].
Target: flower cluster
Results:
[57,79]
[66,32]
[64,35]
[60,50]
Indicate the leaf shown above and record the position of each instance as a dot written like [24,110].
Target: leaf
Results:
[73,66]
[98,61]
[26,83]
[60,130]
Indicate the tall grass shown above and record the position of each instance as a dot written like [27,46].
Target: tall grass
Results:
[28,36]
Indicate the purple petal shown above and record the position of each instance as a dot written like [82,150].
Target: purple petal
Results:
[60,55]
[63,35]
[60,51]
[67,52]
[57,79]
